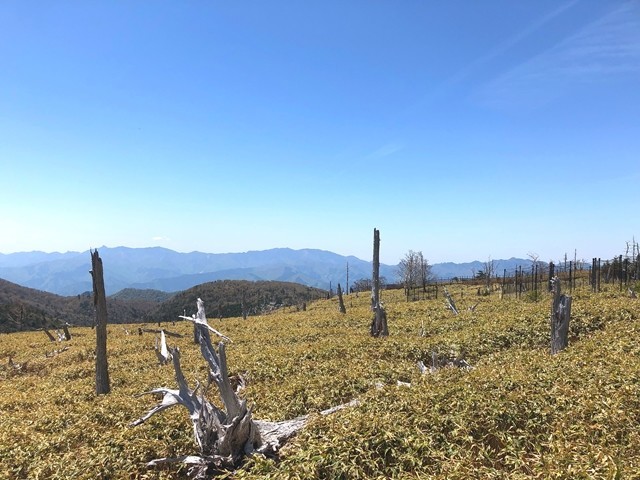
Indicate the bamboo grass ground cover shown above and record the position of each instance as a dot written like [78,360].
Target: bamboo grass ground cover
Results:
[519,413]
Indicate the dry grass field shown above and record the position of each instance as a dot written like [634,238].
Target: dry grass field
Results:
[518,413]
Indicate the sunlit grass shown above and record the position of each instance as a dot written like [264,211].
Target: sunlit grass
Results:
[520,413]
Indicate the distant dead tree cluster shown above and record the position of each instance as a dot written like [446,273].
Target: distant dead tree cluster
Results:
[414,272]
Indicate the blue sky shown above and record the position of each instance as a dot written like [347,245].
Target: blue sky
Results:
[462,129]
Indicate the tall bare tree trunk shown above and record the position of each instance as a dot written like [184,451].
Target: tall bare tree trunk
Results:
[100,303]
[341,300]
[379,322]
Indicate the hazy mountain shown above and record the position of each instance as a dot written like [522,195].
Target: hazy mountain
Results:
[450,270]
[170,271]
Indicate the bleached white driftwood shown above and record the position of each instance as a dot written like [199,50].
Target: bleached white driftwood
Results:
[451,304]
[201,319]
[162,352]
[223,435]
[437,363]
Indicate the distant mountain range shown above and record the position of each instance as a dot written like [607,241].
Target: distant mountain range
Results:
[169,271]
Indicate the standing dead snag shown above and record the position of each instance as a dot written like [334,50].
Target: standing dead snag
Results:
[100,303]
[341,300]
[162,352]
[379,323]
[560,316]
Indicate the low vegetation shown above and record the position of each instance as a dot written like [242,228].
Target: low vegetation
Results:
[518,413]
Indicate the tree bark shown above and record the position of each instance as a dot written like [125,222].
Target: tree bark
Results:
[560,316]
[100,303]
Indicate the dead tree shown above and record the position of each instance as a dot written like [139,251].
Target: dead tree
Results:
[379,323]
[245,313]
[224,435]
[162,352]
[51,337]
[451,304]
[67,334]
[100,304]
[560,316]
[341,300]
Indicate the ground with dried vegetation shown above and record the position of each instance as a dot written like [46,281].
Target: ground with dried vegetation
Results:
[518,413]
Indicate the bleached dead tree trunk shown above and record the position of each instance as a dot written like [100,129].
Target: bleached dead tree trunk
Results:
[379,323]
[224,435]
[560,316]
[100,303]
[451,304]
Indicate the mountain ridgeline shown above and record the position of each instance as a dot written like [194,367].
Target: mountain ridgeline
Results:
[169,271]
[162,269]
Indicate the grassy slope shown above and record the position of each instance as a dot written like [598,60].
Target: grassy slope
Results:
[518,414]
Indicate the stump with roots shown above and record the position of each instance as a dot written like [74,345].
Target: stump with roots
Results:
[224,435]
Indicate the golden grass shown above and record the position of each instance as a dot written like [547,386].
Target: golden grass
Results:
[520,413]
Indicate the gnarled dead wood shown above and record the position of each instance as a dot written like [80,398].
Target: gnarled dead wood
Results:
[224,435]
[451,304]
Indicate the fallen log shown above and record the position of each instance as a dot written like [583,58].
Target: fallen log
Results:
[155,330]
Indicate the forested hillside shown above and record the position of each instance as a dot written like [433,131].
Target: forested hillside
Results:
[24,308]
[225,298]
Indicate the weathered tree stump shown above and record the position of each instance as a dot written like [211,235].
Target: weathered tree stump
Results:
[100,303]
[379,326]
[224,435]
[162,352]
[560,316]
[341,300]
[67,334]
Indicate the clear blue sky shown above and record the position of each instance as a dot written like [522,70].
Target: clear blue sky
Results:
[462,129]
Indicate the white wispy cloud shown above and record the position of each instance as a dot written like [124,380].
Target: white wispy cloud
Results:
[160,239]
[385,150]
[605,48]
